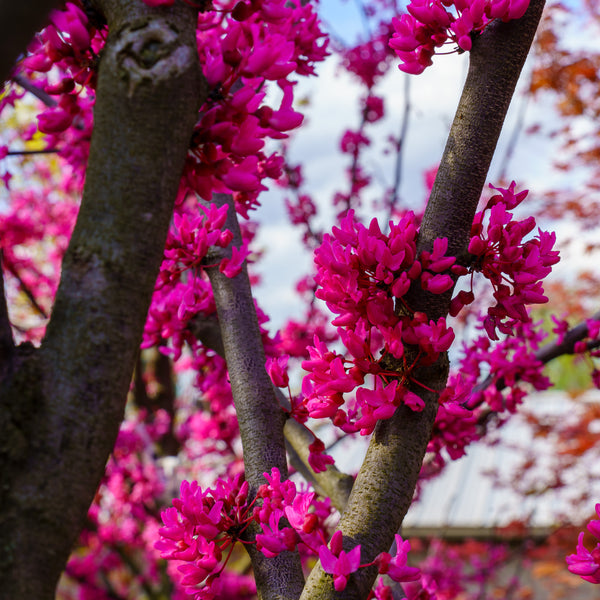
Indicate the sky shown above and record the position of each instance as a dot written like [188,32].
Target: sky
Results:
[434,96]
[332,108]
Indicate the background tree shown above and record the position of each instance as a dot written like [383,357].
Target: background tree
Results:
[174,152]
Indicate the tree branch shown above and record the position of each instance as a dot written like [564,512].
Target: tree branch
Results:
[384,488]
[260,417]
[65,402]
[400,148]
[40,94]
[545,354]
[331,483]
[567,346]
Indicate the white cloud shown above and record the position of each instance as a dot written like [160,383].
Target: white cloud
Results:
[333,106]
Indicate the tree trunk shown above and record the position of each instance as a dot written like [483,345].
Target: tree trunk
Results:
[61,405]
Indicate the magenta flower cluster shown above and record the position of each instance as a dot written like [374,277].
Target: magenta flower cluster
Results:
[584,563]
[71,43]
[511,361]
[202,526]
[512,262]
[509,368]
[362,274]
[241,54]
[430,24]
[62,61]
[182,288]
[455,426]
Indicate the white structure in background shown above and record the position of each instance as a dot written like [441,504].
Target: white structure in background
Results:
[478,493]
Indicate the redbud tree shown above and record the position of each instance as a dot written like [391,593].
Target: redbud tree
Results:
[149,420]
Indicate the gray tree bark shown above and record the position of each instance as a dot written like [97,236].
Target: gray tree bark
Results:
[259,414]
[61,405]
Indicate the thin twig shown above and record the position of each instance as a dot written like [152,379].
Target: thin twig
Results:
[400,150]
[27,291]
[545,354]
[40,94]
[26,152]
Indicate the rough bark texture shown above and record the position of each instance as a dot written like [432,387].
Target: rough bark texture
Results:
[385,484]
[260,417]
[61,405]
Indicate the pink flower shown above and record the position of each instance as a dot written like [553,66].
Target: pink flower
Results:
[352,141]
[339,563]
[514,267]
[273,540]
[231,267]
[54,121]
[430,24]
[196,526]
[72,22]
[317,458]
[513,360]
[593,328]
[584,563]
[455,427]
[362,273]
[436,284]
[285,118]
[395,567]
[374,109]
[243,177]
[207,561]
[298,515]
[276,494]
[369,61]
[376,404]
[277,370]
